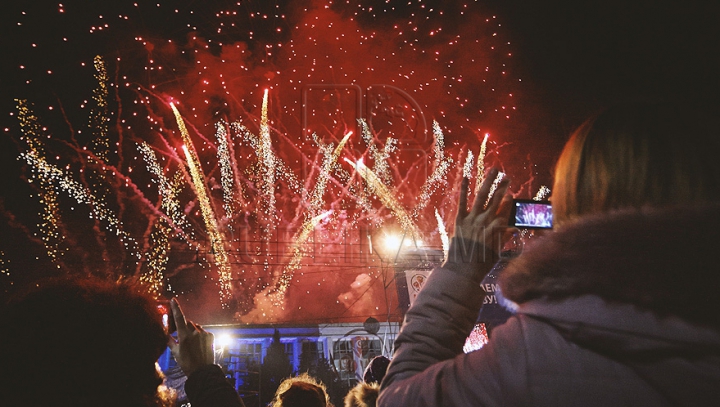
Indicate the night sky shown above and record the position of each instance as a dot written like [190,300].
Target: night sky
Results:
[524,72]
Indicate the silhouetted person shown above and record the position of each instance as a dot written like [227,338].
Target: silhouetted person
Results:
[84,342]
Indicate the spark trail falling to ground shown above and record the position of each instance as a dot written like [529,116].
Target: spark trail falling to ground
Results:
[316,203]
[443,233]
[217,241]
[81,195]
[385,196]
[50,215]
[441,165]
[380,159]
[227,175]
[481,164]
[467,168]
[542,193]
[169,192]
[267,172]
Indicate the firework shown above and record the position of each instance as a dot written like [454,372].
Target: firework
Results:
[169,191]
[227,177]
[100,145]
[441,165]
[542,193]
[380,159]
[60,179]
[467,168]
[217,241]
[50,215]
[481,163]
[157,258]
[443,233]
[386,197]
[494,186]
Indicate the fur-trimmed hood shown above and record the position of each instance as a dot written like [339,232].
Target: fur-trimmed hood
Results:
[662,260]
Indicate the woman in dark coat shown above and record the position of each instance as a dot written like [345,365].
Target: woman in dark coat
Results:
[617,306]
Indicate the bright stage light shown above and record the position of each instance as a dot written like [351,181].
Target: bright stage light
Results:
[222,341]
[392,242]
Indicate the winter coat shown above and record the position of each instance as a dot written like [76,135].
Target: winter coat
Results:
[208,387]
[619,309]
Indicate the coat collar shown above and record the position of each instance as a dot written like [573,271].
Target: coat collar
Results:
[663,260]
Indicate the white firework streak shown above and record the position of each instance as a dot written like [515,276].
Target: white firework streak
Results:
[542,193]
[330,158]
[157,258]
[380,159]
[82,196]
[493,187]
[227,175]
[297,254]
[282,170]
[168,190]
[216,238]
[443,233]
[49,229]
[467,168]
[481,164]
[386,197]
[267,171]
[316,202]
[440,169]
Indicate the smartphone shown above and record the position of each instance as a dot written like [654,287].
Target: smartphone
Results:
[530,214]
[165,311]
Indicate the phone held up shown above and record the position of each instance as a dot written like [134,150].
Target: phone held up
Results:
[165,311]
[531,214]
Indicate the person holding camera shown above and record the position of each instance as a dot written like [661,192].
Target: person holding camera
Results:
[616,306]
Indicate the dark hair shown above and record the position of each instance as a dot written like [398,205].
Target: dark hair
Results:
[638,155]
[81,342]
[375,370]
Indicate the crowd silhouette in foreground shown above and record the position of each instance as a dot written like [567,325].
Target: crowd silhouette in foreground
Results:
[616,306]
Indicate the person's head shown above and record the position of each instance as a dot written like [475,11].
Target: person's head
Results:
[301,391]
[81,342]
[375,370]
[639,155]
[363,395]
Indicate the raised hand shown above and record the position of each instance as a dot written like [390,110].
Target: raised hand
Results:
[484,224]
[193,348]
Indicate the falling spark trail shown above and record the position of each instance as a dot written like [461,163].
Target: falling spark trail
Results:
[169,191]
[309,224]
[386,197]
[494,186]
[467,168]
[542,193]
[481,164]
[329,161]
[81,195]
[216,237]
[281,167]
[296,250]
[50,215]
[440,168]
[380,159]
[443,233]
[227,175]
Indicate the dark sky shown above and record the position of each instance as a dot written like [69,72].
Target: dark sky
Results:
[526,72]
